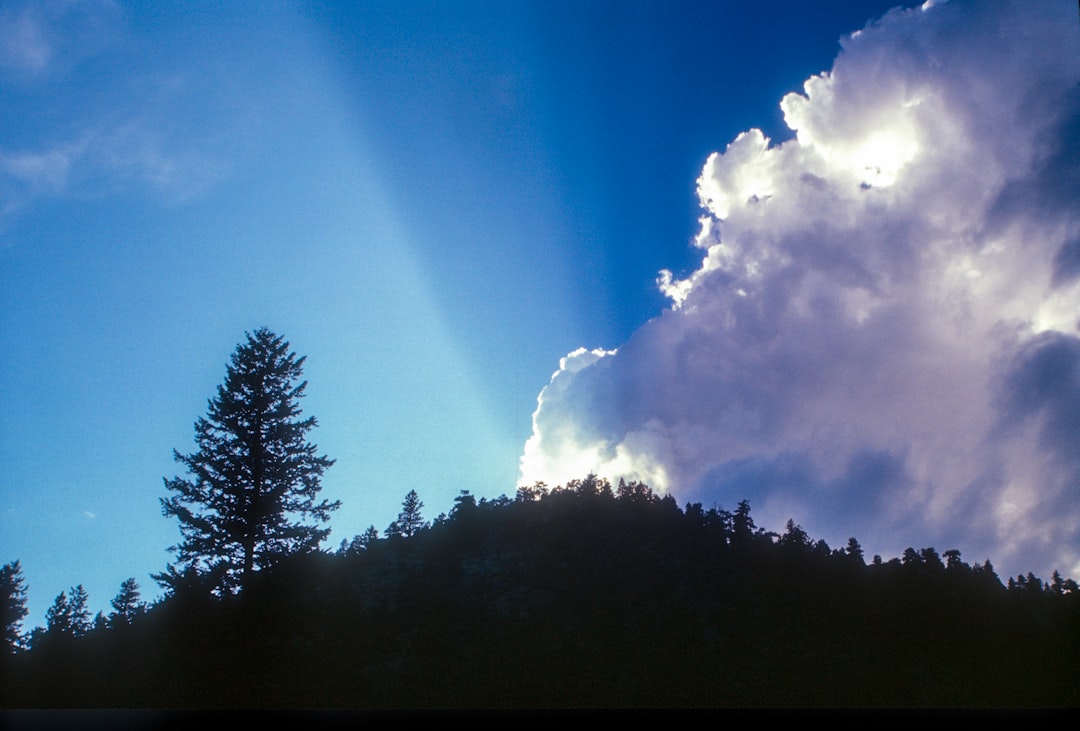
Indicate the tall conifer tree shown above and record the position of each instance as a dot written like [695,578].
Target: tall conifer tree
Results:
[127,605]
[254,478]
[410,520]
[12,604]
[69,617]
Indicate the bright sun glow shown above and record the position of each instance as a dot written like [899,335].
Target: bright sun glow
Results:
[879,160]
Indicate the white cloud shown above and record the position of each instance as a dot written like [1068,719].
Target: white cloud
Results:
[105,160]
[132,127]
[146,151]
[883,329]
[38,170]
[26,175]
[543,461]
[36,37]
[23,42]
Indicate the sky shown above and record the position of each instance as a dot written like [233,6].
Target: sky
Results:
[821,256]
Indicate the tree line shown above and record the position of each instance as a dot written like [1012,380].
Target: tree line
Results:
[580,594]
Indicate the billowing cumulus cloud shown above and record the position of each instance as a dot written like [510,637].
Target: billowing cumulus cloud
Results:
[882,337]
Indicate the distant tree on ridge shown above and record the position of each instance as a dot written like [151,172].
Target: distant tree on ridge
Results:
[410,520]
[12,603]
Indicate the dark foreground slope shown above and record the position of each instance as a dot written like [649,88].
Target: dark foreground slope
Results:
[583,599]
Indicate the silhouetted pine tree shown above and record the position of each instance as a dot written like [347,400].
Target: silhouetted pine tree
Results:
[127,604]
[254,478]
[410,520]
[12,604]
[69,616]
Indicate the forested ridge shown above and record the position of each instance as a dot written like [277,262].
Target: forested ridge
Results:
[584,595]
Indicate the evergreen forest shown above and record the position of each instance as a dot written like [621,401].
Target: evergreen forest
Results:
[584,595]
[575,597]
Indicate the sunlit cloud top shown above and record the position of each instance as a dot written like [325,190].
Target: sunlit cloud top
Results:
[881,338]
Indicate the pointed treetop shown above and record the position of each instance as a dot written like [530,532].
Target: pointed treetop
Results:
[254,477]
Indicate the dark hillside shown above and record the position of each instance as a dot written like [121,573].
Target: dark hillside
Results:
[583,597]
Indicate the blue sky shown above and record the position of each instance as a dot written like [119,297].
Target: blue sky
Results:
[435,202]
